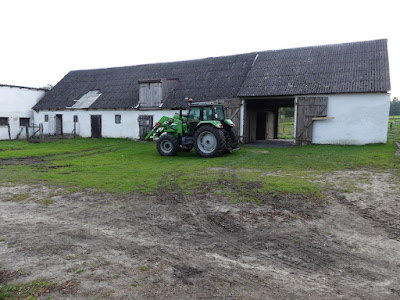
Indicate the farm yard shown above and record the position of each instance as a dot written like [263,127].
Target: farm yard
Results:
[111,219]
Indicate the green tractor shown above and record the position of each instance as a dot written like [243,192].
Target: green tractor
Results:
[204,128]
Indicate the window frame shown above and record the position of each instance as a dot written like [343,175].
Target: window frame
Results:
[5,118]
[118,119]
[27,121]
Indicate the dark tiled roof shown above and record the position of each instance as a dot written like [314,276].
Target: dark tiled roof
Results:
[343,68]
[203,80]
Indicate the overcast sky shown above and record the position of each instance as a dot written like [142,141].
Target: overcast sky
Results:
[41,40]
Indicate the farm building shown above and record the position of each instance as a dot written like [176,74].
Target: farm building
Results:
[339,94]
[16,112]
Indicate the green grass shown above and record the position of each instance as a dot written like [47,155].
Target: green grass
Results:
[285,129]
[31,290]
[125,166]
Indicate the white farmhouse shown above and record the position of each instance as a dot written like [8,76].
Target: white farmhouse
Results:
[16,111]
[340,94]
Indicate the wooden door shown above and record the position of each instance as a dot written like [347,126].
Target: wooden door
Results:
[233,112]
[59,125]
[308,108]
[145,125]
[150,94]
[95,121]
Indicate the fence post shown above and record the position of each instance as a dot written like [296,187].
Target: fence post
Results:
[27,131]
[9,131]
[41,132]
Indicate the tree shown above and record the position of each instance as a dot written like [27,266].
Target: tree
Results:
[288,112]
[394,107]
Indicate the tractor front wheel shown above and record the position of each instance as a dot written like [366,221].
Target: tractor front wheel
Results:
[209,141]
[167,145]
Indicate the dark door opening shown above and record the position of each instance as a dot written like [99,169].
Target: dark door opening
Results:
[59,125]
[95,121]
[261,125]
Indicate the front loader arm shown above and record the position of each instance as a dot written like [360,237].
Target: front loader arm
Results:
[165,124]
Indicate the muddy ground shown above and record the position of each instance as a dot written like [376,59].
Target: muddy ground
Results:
[175,246]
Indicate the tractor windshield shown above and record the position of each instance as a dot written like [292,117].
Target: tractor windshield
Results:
[194,114]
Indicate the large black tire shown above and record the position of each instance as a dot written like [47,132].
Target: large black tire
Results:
[209,141]
[234,139]
[167,145]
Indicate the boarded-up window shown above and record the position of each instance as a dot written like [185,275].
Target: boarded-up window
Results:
[150,94]
[3,121]
[24,121]
[117,119]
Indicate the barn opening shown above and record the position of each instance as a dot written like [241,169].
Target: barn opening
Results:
[270,119]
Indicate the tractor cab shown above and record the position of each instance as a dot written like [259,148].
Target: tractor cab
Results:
[206,112]
[203,112]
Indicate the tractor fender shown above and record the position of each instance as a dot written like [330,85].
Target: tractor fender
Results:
[229,122]
[216,124]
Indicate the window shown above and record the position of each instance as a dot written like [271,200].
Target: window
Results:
[219,112]
[24,121]
[207,113]
[117,119]
[3,121]
[86,100]
[46,118]
[75,119]
[194,113]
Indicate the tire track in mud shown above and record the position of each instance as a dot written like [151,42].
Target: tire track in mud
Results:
[390,223]
[211,228]
[308,270]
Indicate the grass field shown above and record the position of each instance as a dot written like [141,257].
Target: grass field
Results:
[285,130]
[125,166]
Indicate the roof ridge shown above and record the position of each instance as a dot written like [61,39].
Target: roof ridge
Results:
[22,87]
[232,55]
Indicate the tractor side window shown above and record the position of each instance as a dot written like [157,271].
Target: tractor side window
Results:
[194,113]
[208,114]
[219,113]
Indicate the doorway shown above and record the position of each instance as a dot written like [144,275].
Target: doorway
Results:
[261,125]
[264,119]
[95,121]
[59,125]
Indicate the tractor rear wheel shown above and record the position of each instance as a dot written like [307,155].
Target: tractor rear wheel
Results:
[209,141]
[167,145]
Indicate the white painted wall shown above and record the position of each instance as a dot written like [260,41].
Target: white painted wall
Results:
[358,119]
[129,127]
[15,103]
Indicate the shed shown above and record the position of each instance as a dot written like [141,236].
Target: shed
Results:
[16,111]
[339,94]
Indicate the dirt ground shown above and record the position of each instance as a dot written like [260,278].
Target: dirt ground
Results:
[175,246]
